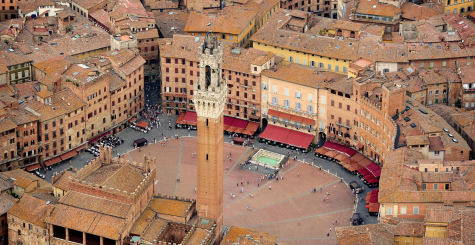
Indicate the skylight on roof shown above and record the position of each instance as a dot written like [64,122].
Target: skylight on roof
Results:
[75,73]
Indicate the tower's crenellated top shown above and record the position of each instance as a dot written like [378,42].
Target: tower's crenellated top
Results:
[211,89]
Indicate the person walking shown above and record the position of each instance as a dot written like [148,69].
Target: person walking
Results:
[270,187]
[299,223]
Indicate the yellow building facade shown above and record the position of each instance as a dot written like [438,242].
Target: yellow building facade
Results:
[458,7]
[306,58]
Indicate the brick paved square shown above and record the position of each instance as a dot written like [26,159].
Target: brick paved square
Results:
[276,211]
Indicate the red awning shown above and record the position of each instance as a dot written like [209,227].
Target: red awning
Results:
[365,162]
[252,126]
[359,145]
[245,131]
[330,145]
[52,161]
[231,129]
[372,167]
[179,120]
[191,116]
[239,123]
[33,167]
[309,121]
[238,130]
[68,155]
[273,113]
[167,94]
[97,138]
[357,157]
[228,121]
[132,119]
[142,124]
[296,118]
[299,139]
[80,148]
[285,115]
[275,133]
[180,95]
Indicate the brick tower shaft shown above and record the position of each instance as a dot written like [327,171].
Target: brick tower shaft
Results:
[209,100]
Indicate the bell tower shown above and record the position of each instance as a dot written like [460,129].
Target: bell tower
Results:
[209,98]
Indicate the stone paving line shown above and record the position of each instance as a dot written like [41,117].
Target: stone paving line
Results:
[237,163]
[179,163]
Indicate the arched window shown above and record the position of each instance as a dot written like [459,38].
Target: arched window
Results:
[339,33]
[323,100]
[469,8]
[462,10]
[208,77]
[352,34]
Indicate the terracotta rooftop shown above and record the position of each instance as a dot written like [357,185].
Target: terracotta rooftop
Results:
[87,221]
[7,202]
[5,184]
[364,235]
[373,7]
[445,111]
[124,177]
[170,207]
[348,25]
[230,20]
[417,140]
[261,6]
[417,12]
[154,229]
[63,181]
[298,74]
[17,173]
[87,4]
[25,90]
[182,46]
[242,62]
[67,100]
[23,182]
[142,222]
[96,204]
[241,235]
[7,124]
[436,144]
[197,236]
[30,209]
[464,26]
[10,59]
[44,112]
[165,25]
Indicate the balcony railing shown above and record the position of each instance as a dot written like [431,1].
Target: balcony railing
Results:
[174,101]
[289,123]
[303,113]
[343,125]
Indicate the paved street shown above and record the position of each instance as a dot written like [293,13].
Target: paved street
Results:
[289,203]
